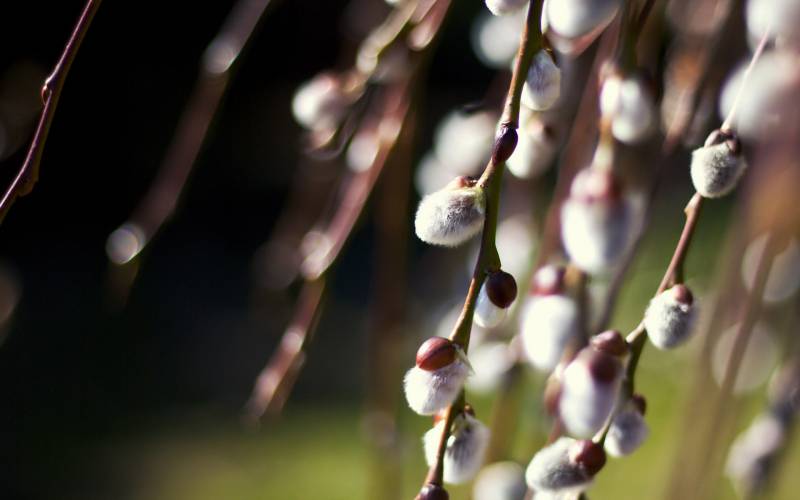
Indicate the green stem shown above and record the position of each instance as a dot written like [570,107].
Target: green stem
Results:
[491,182]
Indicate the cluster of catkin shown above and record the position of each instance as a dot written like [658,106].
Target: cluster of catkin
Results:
[590,390]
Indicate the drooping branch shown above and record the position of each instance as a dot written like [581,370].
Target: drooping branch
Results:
[216,72]
[51,93]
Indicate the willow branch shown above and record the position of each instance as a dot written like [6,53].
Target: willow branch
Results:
[216,72]
[488,258]
[394,116]
[51,93]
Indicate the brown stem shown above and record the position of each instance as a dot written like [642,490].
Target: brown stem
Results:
[274,382]
[216,71]
[393,118]
[728,123]
[51,92]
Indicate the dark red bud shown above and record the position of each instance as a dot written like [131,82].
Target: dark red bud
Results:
[549,280]
[501,288]
[682,294]
[504,145]
[639,402]
[432,492]
[603,367]
[590,456]
[435,353]
[610,342]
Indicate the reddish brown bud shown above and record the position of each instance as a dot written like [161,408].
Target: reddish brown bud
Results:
[610,342]
[682,294]
[639,402]
[602,366]
[588,455]
[432,492]
[548,280]
[435,353]
[504,145]
[729,138]
[501,288]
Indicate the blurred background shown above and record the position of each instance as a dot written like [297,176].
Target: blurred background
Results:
[132,384]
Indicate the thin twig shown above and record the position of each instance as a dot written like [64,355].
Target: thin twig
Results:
[393,118]
[51,92]
[216,72]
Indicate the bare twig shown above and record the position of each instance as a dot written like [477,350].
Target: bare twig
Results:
[391,121]
[216,71]
[51,92]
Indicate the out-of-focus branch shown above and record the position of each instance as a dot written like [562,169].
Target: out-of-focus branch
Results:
[216,71]
[51,92]
[389,124]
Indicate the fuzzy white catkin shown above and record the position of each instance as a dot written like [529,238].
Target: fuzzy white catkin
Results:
[543,84]
[463,141]
[779,17]
[534,153]
[765,437]
[449,217]
[716,170]
[465,450]
[503,7]
[318,104]
[548,323]
[627,432]
[585,402]
[596,234]
[574,18]
[495,39]
[667,321]
[551,470]
[500,481]
[769,101]
[427,392]
[490,362]
[487,314]
[629,105]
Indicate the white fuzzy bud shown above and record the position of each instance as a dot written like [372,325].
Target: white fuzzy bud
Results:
[575,18]
[490,362]
[465,451]
[495,39]
[589,390]
[536,148]
[627,432]
[503,7]
[548,324]
[669,317]
[596,222]
[452,215]
[427,392]
[751,453]
[779,17]
[717,166]
[543,84]
[320,103]
[500,481]
[463,141]
[629,105]
[556,469]
[487,314]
